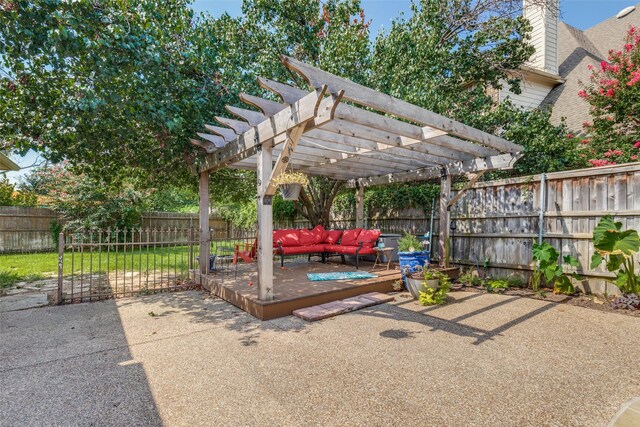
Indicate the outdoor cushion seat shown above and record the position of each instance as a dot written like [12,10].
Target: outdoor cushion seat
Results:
[320,241]
[287,237]
[297,250]
[349,250]
[332,237]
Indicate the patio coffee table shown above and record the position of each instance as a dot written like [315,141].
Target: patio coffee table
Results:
[381,252]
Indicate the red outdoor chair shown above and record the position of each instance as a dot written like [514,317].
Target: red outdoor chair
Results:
[248,255]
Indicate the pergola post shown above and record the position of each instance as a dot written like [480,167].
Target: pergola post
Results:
[205,236]
[265,223]
[443,238]
[359,205]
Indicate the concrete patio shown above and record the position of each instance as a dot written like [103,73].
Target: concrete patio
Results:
[189,359]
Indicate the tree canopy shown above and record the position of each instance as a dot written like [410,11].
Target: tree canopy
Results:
[117,87]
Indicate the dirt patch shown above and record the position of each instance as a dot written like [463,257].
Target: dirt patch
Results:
[595,302]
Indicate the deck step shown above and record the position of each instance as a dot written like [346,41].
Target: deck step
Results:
[334,308]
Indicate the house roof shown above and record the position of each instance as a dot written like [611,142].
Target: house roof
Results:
[6,164]
[576,51]
[373,139]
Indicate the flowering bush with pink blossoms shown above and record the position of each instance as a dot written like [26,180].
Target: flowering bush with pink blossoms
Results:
[614,96]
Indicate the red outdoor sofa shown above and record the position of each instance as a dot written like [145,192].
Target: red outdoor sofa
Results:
[319,241]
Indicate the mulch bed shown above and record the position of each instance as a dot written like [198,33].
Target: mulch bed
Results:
[595,302]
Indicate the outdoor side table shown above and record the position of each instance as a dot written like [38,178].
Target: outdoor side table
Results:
[381,252]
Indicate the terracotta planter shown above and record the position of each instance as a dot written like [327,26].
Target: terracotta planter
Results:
[290,191]
[416,286]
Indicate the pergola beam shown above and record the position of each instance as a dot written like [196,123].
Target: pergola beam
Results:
[502,161]
[205,145]
[405,135]
[388,104]
[313,107]
[284,158]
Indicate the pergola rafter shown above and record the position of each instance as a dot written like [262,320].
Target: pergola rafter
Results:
[375,139]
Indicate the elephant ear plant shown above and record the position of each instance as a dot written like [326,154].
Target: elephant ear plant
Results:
[618,248]
[547,267]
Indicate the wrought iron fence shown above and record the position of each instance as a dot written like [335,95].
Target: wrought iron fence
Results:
[100,264]
[97,264]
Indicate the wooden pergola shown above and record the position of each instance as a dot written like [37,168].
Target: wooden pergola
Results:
[374,139]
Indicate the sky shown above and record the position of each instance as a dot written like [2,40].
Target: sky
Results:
[581,14]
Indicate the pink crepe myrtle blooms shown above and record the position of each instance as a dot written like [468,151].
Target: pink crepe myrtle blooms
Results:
[570,135]
[611,92]
[634,157]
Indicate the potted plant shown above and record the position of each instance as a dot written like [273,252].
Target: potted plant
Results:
[290,184]
[421,279]
[410,255]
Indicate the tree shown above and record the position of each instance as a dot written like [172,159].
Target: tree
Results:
[10,197]
[454,51]
[332,34]
[82,201]
[547,147]
[613,94]
[114,87]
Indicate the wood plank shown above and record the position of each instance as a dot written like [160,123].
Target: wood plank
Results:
[265,224]
[205,145]
[205,235]
[216,140]
[349,113]
[388,104]
[238,126]
[443,237]
[311,107]
[226,133]
[359,206]
[504,161]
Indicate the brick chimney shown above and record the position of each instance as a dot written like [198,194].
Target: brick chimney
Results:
[543,16]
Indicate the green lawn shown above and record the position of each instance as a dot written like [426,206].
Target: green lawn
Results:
[30,267]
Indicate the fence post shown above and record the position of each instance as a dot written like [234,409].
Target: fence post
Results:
[190,249]
[60,266]
[543,202]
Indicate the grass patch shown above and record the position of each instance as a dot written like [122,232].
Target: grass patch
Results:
[16,268]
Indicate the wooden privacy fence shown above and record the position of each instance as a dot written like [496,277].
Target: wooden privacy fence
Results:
[499,220]
[29,229]
[25,229]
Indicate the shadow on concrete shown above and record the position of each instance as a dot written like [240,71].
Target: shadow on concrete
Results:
[201,307]
[454,325]
[71,365]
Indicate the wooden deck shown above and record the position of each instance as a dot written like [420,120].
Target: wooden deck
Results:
[292,287]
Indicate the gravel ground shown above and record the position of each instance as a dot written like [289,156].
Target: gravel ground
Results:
[188,359]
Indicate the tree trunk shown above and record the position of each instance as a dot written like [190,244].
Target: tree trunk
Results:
[316,200]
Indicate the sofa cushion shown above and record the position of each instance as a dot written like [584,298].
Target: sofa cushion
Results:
[350,237]
[288,237]
[332,237]
[348,250]
[320,233]
[307,237]
[309,249]
[368,238]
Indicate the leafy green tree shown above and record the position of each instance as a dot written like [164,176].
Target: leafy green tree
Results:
[82,201]
[333,35]
[114,87]
[547,147]
[614,96]
[10,197]
[453,52]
